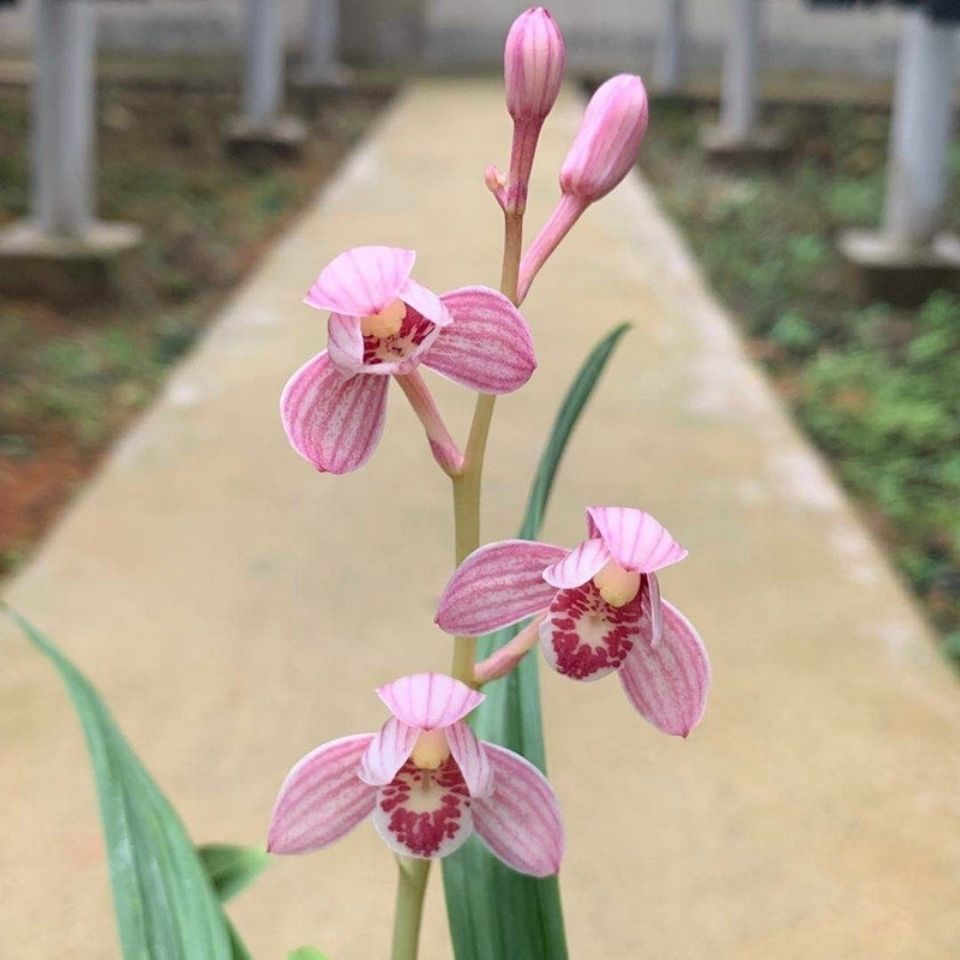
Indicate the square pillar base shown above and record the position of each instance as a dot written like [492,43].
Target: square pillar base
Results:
[760,147]
[309,87]
[261,144]
[885,269]
[65,270]
[331,76]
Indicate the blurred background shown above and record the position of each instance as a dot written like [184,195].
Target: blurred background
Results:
[151,149]
[156,154]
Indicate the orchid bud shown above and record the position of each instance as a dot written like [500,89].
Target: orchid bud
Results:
[603,153]
[608,141]
[533,62]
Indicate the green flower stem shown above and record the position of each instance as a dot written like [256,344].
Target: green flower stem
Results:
[467,486]
[411,886]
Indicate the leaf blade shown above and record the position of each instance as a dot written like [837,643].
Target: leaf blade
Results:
[165,906]
[493,912]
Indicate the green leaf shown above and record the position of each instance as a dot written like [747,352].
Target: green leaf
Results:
[238,949]
[166,907]
[231,868]
[495,913]
[307,953]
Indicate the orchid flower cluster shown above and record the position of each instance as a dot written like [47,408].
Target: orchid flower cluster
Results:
[424,778]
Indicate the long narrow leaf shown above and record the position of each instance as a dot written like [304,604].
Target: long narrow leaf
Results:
[166,907]
[495,913]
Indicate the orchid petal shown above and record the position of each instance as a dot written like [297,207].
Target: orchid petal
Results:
[655,609]
[333,422]
[389,750]
[585,638]
[637,541]
[426,303]
[471,758]
[345,343]
[520,821]
[429,701]
[403,351]
[322,798]
[668,683]
[362,281]
[499,584]
[424,813]
[579,566]
[488,346]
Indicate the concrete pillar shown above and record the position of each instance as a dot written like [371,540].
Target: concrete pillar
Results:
[741,61]
[920,131]
[910,256]
[263,133]
[739,138]
[61,252]
[670,66]
[63,116]
[321,66]
[263,80]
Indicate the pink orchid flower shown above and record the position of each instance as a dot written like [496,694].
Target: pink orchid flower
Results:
[384,323]
[427,781]
[597,610]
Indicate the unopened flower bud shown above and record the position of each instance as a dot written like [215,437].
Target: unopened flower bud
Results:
[603,153]
[533,62]
[606,145]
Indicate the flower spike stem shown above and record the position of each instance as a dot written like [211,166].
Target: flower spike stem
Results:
[466,487]
[411,886]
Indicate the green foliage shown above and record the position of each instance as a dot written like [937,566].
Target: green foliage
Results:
[494,912]
[878,389]
[307,953]
[165,904]
[230,869]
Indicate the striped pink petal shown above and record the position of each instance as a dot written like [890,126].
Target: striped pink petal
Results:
[345,343]
[497,585]
[637,541]
[471,759]
[322,798]
[424,813]
[333,422]
[428,701]
[579,566]
[361,281]
[389,750]
[426,303]
[520,821]
[668,683]
[655,609]
[488,346]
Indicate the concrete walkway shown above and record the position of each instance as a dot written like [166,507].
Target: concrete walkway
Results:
[236,609]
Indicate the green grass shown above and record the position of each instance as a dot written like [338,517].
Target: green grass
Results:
[877,389]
